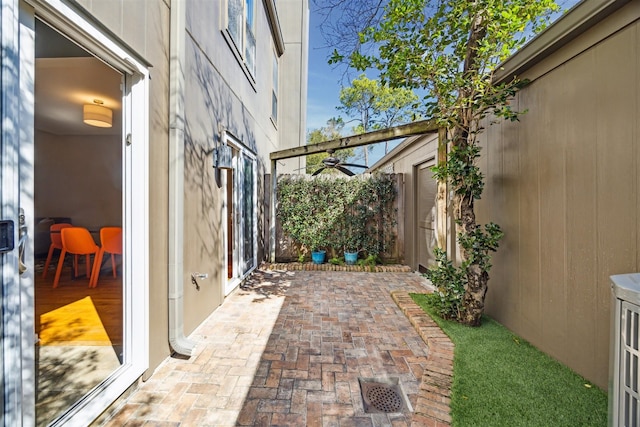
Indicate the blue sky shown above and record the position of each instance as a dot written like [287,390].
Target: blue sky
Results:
[323,91]
[324,81]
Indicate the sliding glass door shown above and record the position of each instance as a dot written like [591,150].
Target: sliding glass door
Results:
[241,225]
[70,349]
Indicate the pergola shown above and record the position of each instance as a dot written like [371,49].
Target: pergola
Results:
[382,135]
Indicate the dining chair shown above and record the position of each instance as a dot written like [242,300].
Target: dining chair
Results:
[56,243]
[111,243]
[77,241]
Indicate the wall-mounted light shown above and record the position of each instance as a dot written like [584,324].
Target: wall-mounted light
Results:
[97,115]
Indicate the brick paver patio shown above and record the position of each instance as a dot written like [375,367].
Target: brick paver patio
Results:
[288,348]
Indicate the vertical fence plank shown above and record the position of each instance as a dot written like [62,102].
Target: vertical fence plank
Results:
[400,215]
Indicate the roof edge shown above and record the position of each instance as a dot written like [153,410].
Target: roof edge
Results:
[397,149]
[575,22]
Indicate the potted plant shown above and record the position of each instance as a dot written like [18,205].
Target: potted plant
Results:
[314,237]
[352,236]
[350,256]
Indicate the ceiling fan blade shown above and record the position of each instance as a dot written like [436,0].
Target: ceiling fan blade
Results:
[345,170]
[318,171]
[353,165]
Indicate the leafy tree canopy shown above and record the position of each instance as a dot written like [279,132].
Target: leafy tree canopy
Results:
[376,106]
[450,50]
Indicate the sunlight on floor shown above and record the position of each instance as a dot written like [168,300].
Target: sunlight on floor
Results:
[77,323]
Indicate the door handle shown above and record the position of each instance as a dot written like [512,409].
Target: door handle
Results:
[22,241]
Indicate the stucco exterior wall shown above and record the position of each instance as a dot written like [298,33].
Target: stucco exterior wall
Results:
[564,184]
[294,16]
[219,92]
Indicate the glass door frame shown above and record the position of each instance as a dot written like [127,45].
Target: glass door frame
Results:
[241,267]
[135,105]
[16,113]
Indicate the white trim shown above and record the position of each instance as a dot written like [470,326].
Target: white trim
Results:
[275,81]
[17,348]
[9,181]
[95,38]
[26,208]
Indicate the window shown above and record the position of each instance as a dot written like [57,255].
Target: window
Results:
[241,29]
[274,92]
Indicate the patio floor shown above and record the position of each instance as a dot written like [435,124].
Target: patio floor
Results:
[287,349]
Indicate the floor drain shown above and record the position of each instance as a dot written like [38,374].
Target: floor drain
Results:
[383,395]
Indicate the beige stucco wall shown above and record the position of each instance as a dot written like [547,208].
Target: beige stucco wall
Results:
[294,17]
[564,184]
[219,92]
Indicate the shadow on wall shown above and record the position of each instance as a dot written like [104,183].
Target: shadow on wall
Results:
[202,136]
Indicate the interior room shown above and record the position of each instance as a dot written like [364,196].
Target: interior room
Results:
[77,184]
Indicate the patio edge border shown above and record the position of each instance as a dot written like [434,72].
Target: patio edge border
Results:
[434,397]
[309,266]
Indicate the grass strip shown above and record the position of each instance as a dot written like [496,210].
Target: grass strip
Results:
[499,379]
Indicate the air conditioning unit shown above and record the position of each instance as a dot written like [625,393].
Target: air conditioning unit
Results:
[624,359]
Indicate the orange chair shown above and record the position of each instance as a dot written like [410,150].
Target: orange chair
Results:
[111,242]
[77,241]
[56,243]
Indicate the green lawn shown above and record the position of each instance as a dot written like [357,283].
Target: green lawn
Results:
[501,380]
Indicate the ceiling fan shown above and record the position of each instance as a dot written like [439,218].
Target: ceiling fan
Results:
[332,162]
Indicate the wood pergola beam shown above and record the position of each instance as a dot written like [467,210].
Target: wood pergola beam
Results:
[410,129]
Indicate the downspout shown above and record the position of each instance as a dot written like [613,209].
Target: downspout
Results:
[179,343]
[272,212]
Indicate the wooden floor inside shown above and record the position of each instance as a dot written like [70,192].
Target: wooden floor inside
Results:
[106,297]
[80,332]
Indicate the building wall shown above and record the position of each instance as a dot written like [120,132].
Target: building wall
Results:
[294,17]
[564,184]
[220,93]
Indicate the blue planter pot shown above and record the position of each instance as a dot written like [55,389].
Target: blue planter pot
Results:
[317,257]
[350,257]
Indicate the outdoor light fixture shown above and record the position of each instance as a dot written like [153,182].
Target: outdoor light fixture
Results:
[97,115]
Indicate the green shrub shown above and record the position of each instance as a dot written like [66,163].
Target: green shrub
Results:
[449,282]
[338,213]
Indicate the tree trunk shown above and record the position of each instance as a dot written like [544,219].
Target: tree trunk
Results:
[477,279]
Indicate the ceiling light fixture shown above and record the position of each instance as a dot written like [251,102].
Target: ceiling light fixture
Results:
[97,115]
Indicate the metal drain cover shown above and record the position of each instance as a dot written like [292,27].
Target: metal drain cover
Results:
[383,395]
